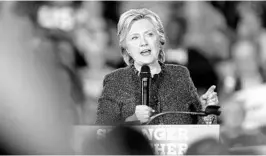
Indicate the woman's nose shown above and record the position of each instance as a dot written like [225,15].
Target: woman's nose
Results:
[143,41]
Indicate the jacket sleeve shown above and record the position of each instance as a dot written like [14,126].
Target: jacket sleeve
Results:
[108,112]
[193,98]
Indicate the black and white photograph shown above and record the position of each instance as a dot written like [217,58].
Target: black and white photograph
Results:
[132,77]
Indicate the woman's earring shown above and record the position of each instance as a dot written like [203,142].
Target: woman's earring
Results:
[128,53]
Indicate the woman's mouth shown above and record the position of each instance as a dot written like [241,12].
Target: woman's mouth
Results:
[145,52]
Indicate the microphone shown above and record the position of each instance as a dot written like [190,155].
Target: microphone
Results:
[145,75]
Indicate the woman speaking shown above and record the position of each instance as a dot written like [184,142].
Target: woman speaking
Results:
[141,39]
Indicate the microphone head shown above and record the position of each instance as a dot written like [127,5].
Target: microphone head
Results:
[145,71]
[212,109]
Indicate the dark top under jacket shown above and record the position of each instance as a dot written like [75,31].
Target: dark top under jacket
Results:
[170,90]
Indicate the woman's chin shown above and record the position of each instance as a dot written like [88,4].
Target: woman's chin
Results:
[146,62]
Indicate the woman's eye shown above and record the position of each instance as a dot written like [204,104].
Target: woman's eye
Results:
[150,34]
[135,37]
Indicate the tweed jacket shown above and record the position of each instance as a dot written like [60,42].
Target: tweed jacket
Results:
[170,90]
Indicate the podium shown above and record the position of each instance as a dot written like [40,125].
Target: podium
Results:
[165,139]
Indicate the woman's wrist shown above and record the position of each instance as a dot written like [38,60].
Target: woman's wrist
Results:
[210,119]
[131,118]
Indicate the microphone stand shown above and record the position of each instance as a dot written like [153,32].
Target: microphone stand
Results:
[210,110]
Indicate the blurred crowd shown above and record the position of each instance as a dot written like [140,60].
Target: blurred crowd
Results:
[222,43]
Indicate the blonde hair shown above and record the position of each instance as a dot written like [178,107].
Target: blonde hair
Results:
[125,22]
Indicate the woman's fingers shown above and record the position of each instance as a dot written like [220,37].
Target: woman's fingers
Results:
[212,98]
[143,113]
[211,89]
[209,93]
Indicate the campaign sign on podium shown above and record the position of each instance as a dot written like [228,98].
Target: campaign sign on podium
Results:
[165,139]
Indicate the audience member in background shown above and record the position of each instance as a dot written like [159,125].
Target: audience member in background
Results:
[90,37]
[192,57]
[242,127]
[207,146]
[126,141]
[251,28]
[246,60]
[36,111]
